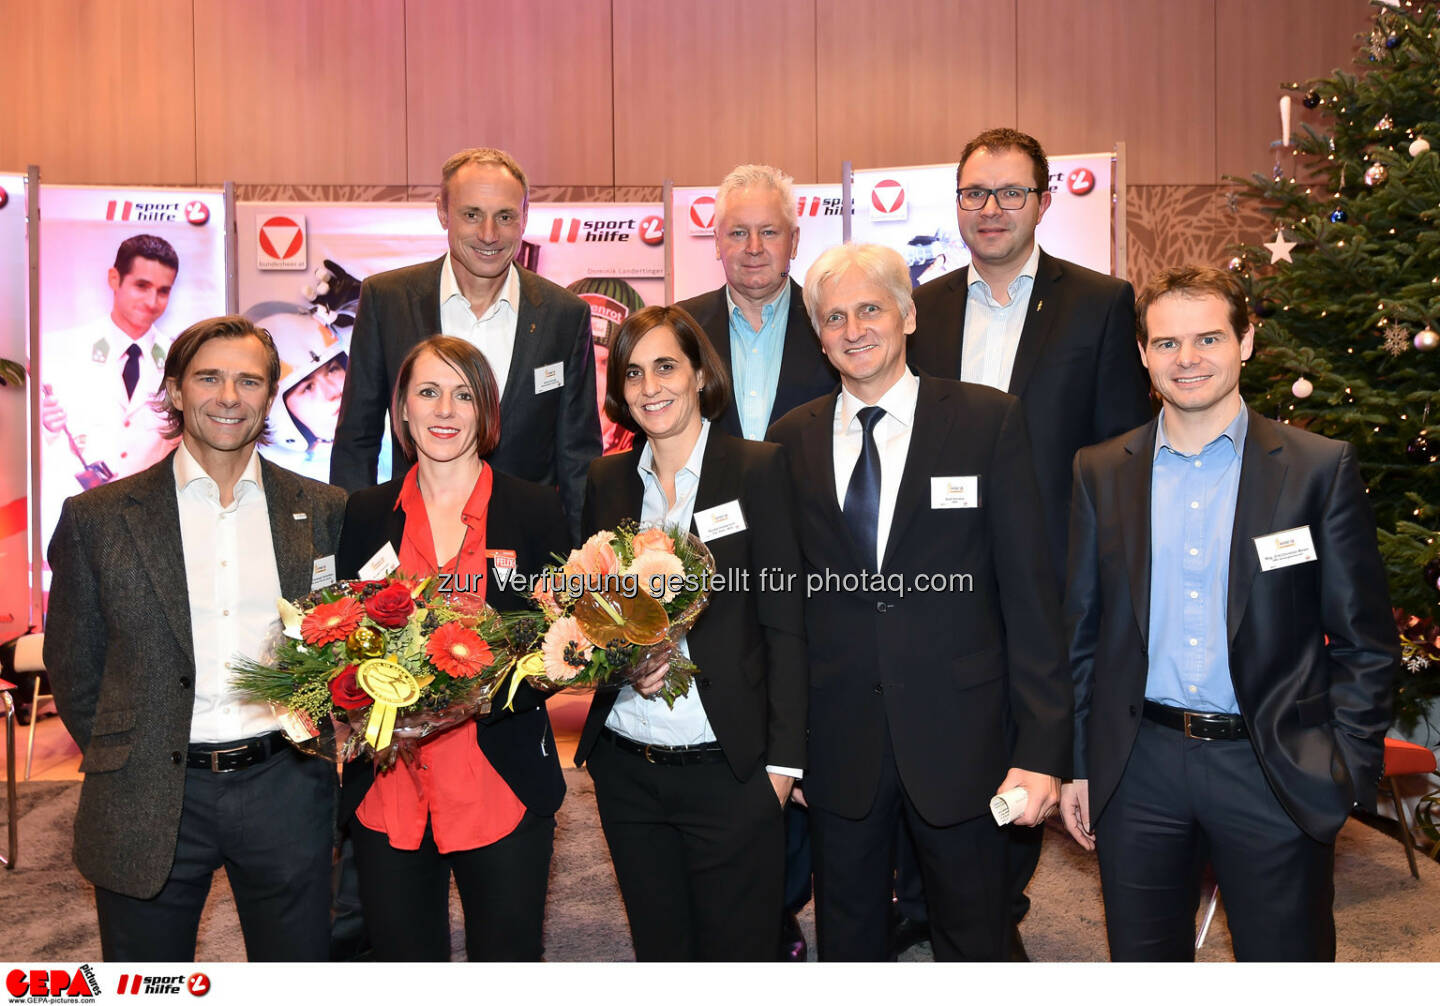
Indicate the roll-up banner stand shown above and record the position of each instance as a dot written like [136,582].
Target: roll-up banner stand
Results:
[15,614]
[819,210]
[122,272]
[913,210]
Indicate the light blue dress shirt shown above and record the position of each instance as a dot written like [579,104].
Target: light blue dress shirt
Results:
[1192,515]
[755,361]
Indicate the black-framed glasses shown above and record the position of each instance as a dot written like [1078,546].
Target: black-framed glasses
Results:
[1011,197]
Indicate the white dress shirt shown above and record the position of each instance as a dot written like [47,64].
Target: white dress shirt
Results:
[493,333]
[233,583]
[892,437]
[992,329]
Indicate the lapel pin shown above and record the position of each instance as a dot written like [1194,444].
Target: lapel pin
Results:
[532,328]
[1039,304]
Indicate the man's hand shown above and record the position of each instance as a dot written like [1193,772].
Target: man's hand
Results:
[1042,793]
[52,413]
[797,793]
[1075,810]
[783,784]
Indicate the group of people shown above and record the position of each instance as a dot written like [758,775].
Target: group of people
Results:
[1172,628]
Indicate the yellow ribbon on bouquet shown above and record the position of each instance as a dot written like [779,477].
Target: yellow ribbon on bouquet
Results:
[392,687]
[532,665]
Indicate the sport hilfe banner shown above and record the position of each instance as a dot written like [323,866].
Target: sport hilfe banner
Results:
[14,411]
[105,330]
[696,270]
[913,210]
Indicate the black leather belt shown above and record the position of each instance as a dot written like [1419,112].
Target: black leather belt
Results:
[658,754]
[1201,726]
[234,757]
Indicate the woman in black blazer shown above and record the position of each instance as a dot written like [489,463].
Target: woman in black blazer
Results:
[477,801]
[691,798]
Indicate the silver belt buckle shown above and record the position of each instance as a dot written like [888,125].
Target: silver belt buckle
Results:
[1191,735]
[215,758]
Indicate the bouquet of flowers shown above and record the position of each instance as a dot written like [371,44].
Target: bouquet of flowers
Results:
[390,660]
[613,612]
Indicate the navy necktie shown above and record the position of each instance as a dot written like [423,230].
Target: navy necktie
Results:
[862,496]
[131,373]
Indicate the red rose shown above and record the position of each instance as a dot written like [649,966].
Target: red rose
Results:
[346,693]
[391,607]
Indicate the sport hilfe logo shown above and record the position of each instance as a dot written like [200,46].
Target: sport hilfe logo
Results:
[197,213]
[126,210]
[1080,182]
[887,201]
[702,216]
[652,230]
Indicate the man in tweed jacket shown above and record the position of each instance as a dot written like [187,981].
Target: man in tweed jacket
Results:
[159,580]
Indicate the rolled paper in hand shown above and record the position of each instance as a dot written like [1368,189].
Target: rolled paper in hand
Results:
[1009,805]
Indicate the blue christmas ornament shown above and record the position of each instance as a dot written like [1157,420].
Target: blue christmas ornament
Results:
[1339,216]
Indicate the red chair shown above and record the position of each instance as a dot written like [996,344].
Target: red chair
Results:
[1404,758]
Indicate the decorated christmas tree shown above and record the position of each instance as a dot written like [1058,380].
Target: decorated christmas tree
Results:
[1347,296]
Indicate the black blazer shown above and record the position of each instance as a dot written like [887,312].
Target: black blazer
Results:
[549,438]
[1077,368]
[967,682]
[523,517]
[1317,712]
[804,371]
[749,643]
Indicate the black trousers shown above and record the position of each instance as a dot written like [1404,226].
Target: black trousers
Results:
[270,827]
[962,866]
[405,894]
[1182,802]
[699,856]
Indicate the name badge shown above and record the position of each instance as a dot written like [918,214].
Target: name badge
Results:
[381,564]
[549,377]
[719,521]
[1285,548]
[322,574]
[503,564]
[954,492]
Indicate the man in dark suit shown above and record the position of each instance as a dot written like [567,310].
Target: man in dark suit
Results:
[1232,645]
[758,326]
[536,336]
[757,321]
[159,579]
[1059,336]
[937,674]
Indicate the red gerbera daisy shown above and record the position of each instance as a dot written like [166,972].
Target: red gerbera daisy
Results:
[331,622]
[458,651]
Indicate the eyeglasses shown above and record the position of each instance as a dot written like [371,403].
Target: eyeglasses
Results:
[1012,197]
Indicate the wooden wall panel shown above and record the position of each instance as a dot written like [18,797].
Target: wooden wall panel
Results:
[99,91]
[1142,71]
[1262,46]
[701,87]
[933,74]
[310,92]
[530,76]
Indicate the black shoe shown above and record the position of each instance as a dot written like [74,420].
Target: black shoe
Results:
[905,932]
[1017,947]
[792,939]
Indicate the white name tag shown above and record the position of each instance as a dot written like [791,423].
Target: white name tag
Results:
[719,521]
[549,377]
[381,564]
[954,492]
[1285,548]
[322,574]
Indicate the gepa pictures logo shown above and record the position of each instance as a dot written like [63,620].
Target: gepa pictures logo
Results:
[52,985]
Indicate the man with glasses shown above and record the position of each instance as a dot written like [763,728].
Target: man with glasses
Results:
[1059,336]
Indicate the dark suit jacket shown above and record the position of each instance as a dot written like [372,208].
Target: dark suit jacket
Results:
[120,653]
[526,518]
[804,371]
[549,438]
[967,683]
[1317,711]
[1077,368]
[749,643]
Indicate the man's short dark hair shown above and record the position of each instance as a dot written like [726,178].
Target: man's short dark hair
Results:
[1193,281]
[149,246]
[714,396]
[996,140]
[182,353]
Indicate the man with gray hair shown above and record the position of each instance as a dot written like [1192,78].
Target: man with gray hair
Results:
[756,321]
[938,676]
[536,336]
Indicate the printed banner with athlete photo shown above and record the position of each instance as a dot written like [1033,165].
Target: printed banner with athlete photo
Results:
[122,273]
[14,410]
[913,210]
